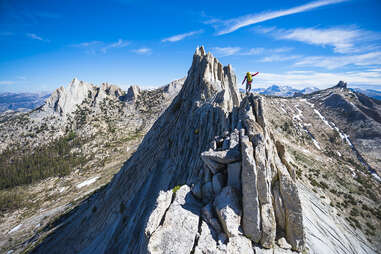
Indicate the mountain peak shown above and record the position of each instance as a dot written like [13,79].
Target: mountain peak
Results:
[208,79]
[341,84]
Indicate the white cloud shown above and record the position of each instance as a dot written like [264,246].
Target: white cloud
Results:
[253,51]
[301,79]
[237,23]
[87,44]
[7,82]
[226,51]
[343,40]
[143,51]
[119,44]
[34,36]
[180,37]
[279,58]
[333,62]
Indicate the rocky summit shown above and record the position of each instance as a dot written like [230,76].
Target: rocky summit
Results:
[220,172]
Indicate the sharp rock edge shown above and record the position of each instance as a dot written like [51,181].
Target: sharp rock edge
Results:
[209,177]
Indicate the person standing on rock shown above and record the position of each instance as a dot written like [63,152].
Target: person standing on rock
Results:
[249,79]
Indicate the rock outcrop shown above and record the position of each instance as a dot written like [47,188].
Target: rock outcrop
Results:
[209,177]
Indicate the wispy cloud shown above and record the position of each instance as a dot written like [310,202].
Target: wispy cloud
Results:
[279,58]
[333,62]
[226,51]
[34,36]
[7,82]
[180,37]
[87,44]
[94,47]
[119,44]
[142,51]
[343,40]
[232,25]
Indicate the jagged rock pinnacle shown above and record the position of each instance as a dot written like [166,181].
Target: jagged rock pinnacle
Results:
[341,84]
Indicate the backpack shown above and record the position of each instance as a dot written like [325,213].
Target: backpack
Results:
[249,77]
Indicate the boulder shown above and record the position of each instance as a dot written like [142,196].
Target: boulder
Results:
[293,208]
[207,213]
[239,244]
[162,204]
[180,226]
[283,243]
[206,242]
[234,175]
[207,192]
[264,195]
[218,183]
[196,190]
[228,209]
[251,221]
[234,139]
[278,207]
[221,157]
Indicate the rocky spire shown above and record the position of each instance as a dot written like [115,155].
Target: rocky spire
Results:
[341,84]
[64,100]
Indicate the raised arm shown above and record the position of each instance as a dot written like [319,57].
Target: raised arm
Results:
[255,74]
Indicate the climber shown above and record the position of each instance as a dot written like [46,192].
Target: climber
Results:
[249,80]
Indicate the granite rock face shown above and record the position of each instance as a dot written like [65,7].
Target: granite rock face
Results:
[243,200]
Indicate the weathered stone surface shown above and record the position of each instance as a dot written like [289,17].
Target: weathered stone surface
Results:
[325,232]
[251,211]
[234,139]
[133,93]
[228,209]
[222,157]
[234,175]
[278,207]
[207,213]
[260,250]
[268,225]
[226,143]
[213,166]
[218,183]
[197,191]
[162,204]
[65,100]
[264,194]
[283,243]
[207,176]
[285,158]
[239,244]
[207,192]
[293,209]
[180,226]
[207,243]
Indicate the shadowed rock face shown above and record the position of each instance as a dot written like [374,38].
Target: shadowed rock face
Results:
[206,130]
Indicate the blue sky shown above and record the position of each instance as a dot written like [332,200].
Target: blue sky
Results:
[46,43]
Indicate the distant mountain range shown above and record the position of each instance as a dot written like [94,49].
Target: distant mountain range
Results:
[288,91]
[284,91]
[21,101]
[369,92]
[28,101]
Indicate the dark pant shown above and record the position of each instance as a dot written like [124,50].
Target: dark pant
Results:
[248,86]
